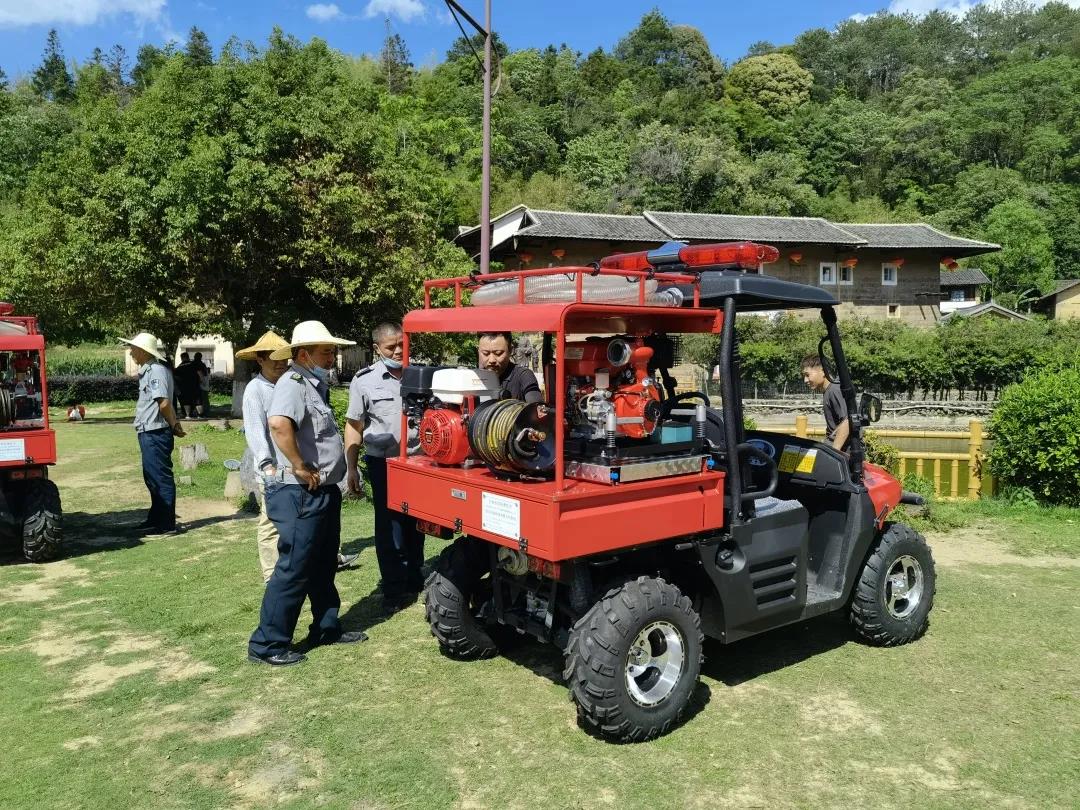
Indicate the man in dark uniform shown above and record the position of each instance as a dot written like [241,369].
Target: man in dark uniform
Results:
[515,382]
[303,501]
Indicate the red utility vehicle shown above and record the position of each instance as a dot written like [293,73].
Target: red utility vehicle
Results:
[624,520]
[30,512]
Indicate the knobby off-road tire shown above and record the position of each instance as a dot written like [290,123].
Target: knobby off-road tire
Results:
[449,604]
[633,660]
[895,592]
[43,521]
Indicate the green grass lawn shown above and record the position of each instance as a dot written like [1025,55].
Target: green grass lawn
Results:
[125,683]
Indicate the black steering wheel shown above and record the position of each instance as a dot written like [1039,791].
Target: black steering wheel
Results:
[748,449]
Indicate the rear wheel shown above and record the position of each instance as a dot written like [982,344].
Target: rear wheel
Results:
[452,597]
[633,660]
[42,534]
[895,592]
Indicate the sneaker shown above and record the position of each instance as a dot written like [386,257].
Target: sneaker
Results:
[154,531]
[346,560]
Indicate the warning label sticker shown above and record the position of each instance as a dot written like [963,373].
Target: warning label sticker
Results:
[797,459]
[12,450]
[501,515]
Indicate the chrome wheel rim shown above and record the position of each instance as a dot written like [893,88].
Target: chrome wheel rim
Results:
[654,663]
[903,587]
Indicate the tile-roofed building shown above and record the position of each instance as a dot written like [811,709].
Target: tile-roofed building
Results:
[1063,302]
[916,235]
[964,277]
[890,271]
[990,309]
[732,227]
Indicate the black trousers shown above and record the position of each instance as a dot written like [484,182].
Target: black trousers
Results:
[399,546]
[309,534]
[156,447]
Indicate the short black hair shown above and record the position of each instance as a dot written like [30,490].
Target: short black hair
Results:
[385,330]
[491,335]
[811,361]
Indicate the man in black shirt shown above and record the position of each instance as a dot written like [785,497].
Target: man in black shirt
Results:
[515,382]
[837,426]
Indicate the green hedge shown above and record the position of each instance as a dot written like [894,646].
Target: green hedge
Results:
[892,358]
[81,388]
[1036,431]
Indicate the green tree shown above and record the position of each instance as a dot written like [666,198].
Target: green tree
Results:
[395,67]
[198,51]
[51,80]
[774,81]
[1026,260]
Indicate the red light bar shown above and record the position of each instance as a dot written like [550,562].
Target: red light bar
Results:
[6,308]
[627,261]
[747,255]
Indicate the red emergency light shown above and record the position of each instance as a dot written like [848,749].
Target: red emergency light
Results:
[744,255]
[6,308]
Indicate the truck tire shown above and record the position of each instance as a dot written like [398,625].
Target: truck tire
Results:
[42,534]
[895,592]
[449,603]
[633,660]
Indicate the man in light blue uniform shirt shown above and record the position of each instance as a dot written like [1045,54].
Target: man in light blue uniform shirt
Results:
[373,423]
[156,425]
[304,502]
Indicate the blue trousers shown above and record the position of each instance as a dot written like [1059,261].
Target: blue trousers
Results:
[309,534]
[399,547]
[156,447]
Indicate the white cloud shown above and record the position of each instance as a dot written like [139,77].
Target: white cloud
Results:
[405,10]
[19,13]
[958,7]
[324,12]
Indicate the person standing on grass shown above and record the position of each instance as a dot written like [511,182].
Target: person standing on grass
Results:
[373,424]
[837,424]
[303,501]
[258,395]
[202,390]
[157,427]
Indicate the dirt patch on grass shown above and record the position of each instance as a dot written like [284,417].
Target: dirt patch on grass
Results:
[83,742]
[831,714]
[47,586]
[976,545]
[244,723]
[279,776]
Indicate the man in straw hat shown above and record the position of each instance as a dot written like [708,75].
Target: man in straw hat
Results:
[257,398]
[303,501]
[156,425]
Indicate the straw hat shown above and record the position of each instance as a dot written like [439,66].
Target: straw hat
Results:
[148,343]
[309,333]
[271,341]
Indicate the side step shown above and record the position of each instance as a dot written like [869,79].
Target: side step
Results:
[820,599]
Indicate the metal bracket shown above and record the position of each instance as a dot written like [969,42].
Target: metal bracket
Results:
[457,524]
[523,545]
[405,507]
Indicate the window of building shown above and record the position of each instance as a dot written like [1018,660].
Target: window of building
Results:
[894,310]
[847,275]
[888,275]
[957,295]
[828,273]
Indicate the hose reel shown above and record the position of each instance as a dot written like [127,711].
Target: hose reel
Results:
[7,408]
[513,436]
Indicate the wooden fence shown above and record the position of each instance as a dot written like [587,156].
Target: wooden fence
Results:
[946,480]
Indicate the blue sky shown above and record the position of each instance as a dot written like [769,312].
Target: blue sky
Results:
[358,26]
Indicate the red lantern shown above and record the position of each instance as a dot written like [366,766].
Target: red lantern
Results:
[947,260]
[796,258]
[952,265]
[850,262]
[558,253]
[899,261]
[525,258]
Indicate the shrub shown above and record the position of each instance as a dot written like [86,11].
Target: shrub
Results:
[81,388]
[880,452]
[1036,430]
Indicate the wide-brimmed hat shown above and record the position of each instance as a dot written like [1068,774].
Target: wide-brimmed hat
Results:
[271,341]
[309,333]
[148,343]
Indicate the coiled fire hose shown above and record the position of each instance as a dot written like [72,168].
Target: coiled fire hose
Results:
[7,408]
[510,434]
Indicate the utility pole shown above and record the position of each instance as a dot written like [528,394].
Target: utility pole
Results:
[485,173]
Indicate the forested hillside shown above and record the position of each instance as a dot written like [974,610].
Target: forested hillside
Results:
[224,188]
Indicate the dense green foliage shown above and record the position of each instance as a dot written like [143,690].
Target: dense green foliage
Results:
[203,192]
[892,358]
[1036,430]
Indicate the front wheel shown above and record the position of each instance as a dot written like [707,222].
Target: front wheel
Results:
[633,660]
[43,521]
[892,600]
[451,597]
